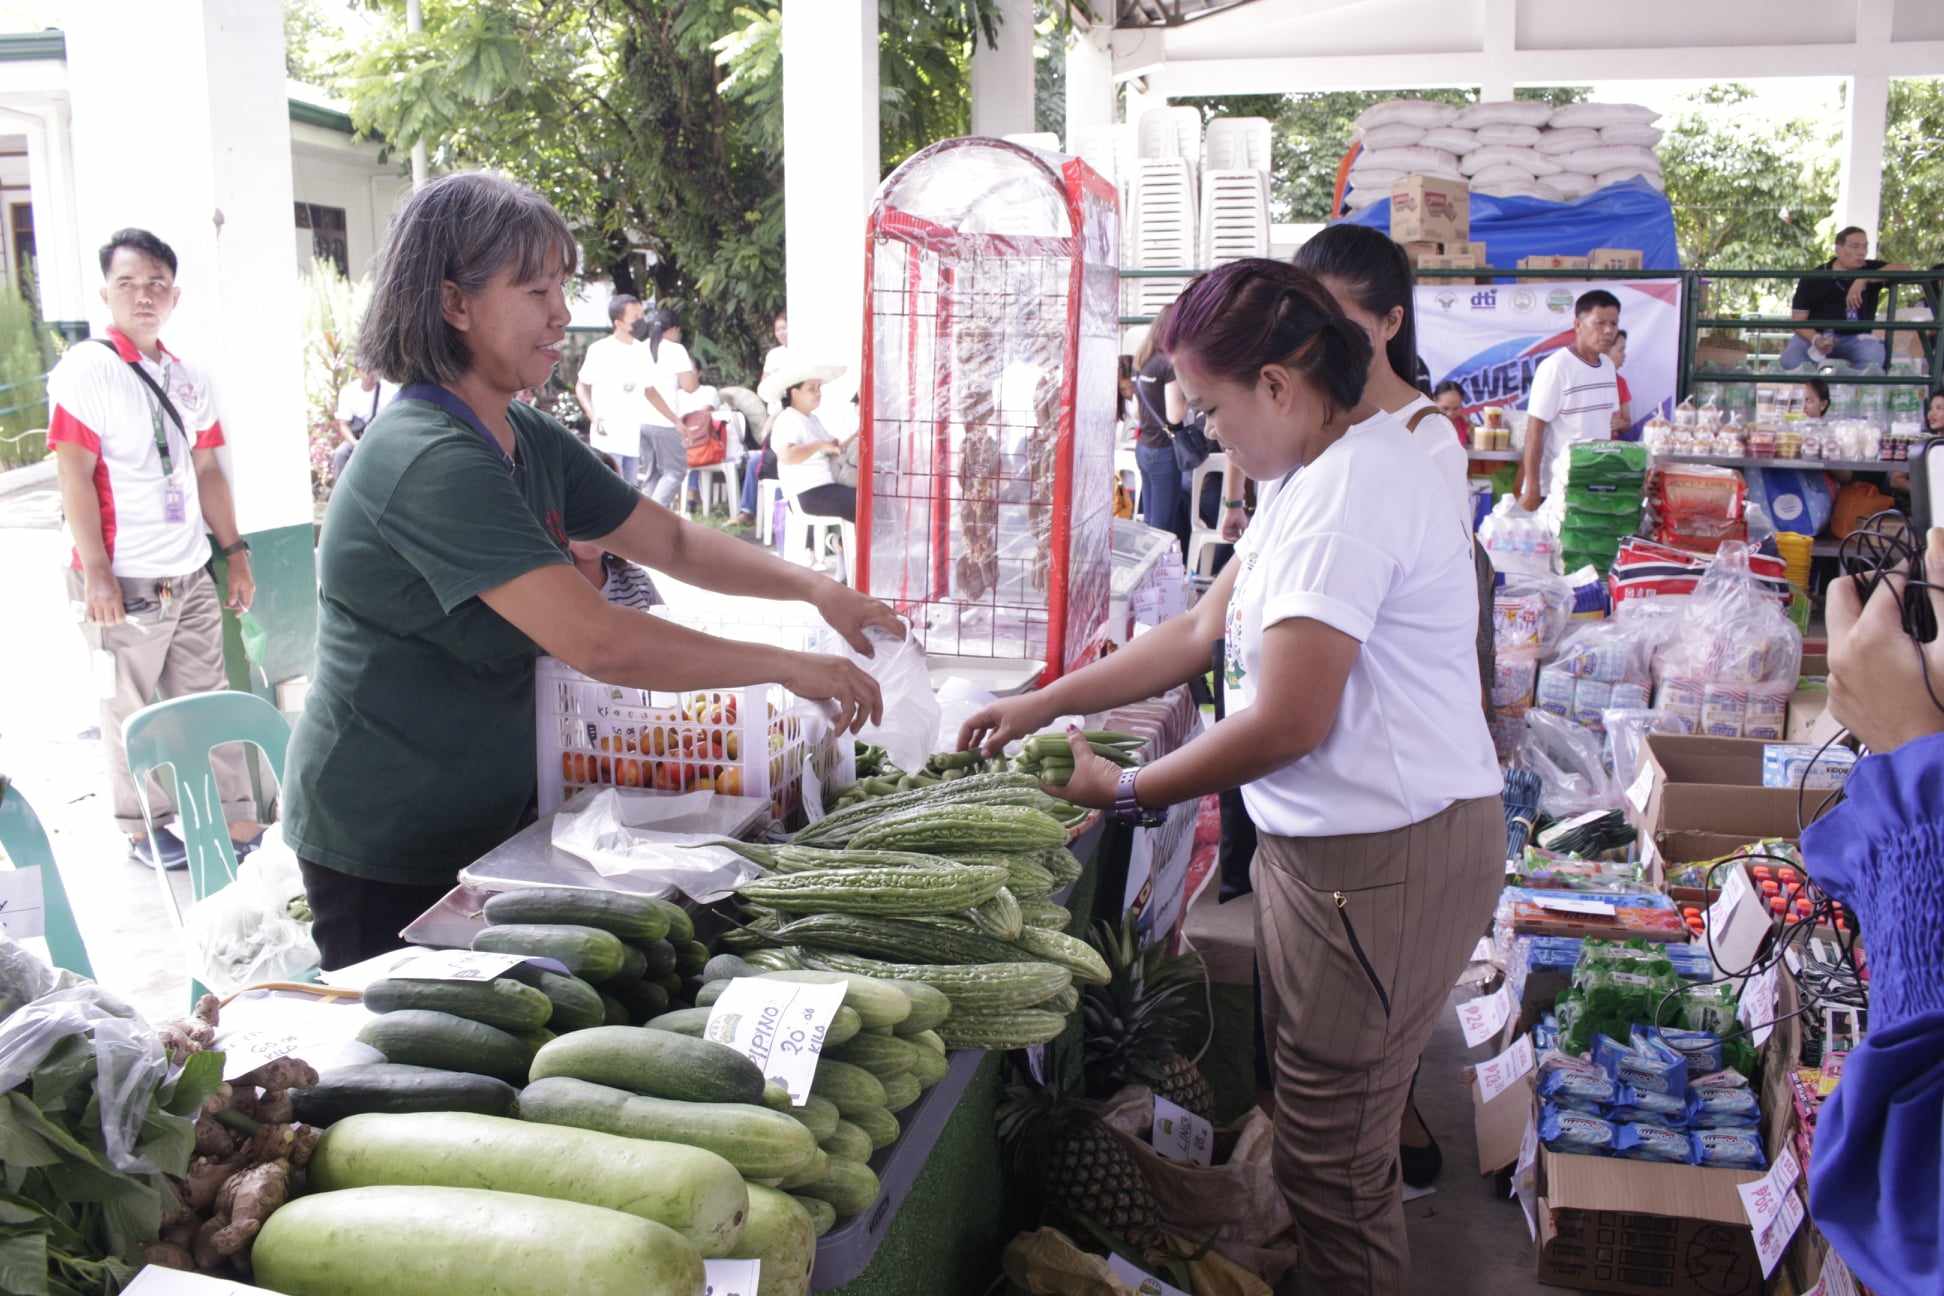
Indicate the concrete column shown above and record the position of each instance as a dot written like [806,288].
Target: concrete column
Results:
[1089,84]
[830,144]
[50,175]
[1501,37]
[1860,194]
[1002,76]
[205,166]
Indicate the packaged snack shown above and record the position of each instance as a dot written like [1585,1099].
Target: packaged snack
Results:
[1580,1091]
[1700,1049]
[1709,1009]
[1640,1141]
[1737,1149]
[1576,1132]
[1719,1080]
[1631,1104]
[1556,691]
[1725,1108]
[1650,1072]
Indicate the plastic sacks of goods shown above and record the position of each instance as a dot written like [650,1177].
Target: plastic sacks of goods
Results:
[1508,148]
[1598,667]
[1732,664]
[1517,542]
[1603,493]
[1529,614]
[1647,572]
[1697,507]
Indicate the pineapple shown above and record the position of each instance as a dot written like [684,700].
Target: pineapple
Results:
[1089,1182]
[1137,1024]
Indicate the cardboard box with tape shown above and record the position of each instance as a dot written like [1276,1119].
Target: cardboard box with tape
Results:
[1430,209]
[1603,258]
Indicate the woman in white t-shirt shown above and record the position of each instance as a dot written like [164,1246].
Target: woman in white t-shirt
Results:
[664,459]
[805,451]
[1348,613]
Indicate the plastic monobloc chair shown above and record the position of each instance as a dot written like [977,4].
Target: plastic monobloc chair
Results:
[26,844]
[179,733]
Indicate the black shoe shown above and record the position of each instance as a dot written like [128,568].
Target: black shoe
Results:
[1421,1165]
[169,850]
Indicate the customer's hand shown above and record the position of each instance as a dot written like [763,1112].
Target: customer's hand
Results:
[1854,299]
[1529,498]
[1095,779]
[853,694]
[1877,685]
[1234,522]
[242,583]
[993,726]
[850,614]
[103,593]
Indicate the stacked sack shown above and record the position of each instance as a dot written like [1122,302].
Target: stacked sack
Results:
[1604,487]
[1510,148]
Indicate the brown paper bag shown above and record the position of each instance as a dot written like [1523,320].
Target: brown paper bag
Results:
[1047,1263]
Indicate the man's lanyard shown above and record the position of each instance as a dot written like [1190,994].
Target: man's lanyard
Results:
[159,401]
[433,394]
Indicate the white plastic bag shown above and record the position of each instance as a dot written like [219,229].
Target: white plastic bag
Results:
[244,934]
[617,834]
[910,724]
[1572,771]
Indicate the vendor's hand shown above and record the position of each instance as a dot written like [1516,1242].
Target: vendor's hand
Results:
[993,726]
[1877,687]
[103,593]
[242,583]
[1095,779]
[850,614]
[823,678]
[1234,522]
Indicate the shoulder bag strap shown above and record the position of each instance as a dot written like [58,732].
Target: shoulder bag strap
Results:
[152,385]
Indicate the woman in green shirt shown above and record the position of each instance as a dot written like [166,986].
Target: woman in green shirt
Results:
[444,571]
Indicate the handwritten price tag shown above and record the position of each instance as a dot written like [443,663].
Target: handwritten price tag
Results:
[1772,1241]
[155,1280]
[1836,1279]
[1180,1135]
[1641,790]
[1734,889]
[21,912]
[1505,1070]
[456,965]
[1484,1017]
[778,1025]
[1763,1199]
[1144,1283]
[1757,1008]
[731,1277]
[263,1027]
[1598,908]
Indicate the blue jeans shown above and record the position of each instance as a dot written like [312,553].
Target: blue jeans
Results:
[1164,500]
[629,466]
[1859,349]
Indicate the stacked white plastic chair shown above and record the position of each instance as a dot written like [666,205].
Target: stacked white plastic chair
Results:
[1234,216]
[1237,144]
[1165,202]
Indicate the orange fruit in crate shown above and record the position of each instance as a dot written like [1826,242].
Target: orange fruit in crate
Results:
[734,745]
[729,708]
[729,782]
[716,744]
[658,739]
[703,782]
[605,772]
[567,766]
[664,780]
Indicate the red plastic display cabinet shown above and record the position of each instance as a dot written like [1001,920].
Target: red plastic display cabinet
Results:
[991,338]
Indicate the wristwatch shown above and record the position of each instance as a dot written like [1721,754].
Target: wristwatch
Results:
[1128,809]
[230,551]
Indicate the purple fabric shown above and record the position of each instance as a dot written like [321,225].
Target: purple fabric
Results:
[1876,1179]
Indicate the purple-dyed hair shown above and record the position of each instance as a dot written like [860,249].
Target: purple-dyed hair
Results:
[1255,312]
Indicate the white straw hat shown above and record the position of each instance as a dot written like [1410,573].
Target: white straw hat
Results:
[790,373]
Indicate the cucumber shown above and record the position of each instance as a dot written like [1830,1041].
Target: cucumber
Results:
[900,1091]
[535,1040]
[776,1097]
[810,1172]
[671,985]
[613,1011]
[588,952]
[631,917]
[634,964]
[760,1143]
[501,1002]
[643,999]
[876,1003]
[850,1187]
[414,1241]
[681,927]
[696,1193]
[849,1141]
[823,1216]
[658,958]
[852,1088]
[421,1037]
[660,1064]
[781,1234]
[818,1115]
[576,1004]
[683,1021]
[877,1122]
[929,1007]
[725,967]
[931,1039]
[883,1056]
[395,1087]
[691,957]
[928,1067]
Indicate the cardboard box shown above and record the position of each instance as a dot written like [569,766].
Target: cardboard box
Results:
[1430,209]
[1474,250]
[1554,263]
[1416,252]
[1452,261]
[1614,259]
[1704,797]
[1718,351]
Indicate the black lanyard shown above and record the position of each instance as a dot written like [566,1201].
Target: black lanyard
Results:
[433,394]
[161,402]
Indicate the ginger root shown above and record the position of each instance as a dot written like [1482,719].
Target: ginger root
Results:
[284,1073]
[168,1255]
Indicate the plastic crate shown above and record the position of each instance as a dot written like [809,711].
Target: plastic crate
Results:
[750,741]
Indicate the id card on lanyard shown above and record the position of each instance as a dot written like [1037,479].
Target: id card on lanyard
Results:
[175,501]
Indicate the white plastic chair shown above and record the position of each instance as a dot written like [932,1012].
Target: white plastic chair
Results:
[1234,216]
[1164,221]
[805,537]
[727,474]
[768,492]
[1172,133]
[1203,538]
[1237,144]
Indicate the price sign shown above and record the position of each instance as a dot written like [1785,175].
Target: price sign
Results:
[1757,1008]
[1484,1017]
[1836,1279]
[261,1028]
[1772,1241]
[1180,1135]
[1482,952]
[1525,1178]
[1763,1199]
[157,1280]
[21,912]
[1143,1283]
[456,965]
[730,1277]
[1641,790]
[1505,1070]
[1733,890]
[778,1025]
[1598,908]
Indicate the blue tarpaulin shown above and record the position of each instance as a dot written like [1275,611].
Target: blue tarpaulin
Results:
[1629,215]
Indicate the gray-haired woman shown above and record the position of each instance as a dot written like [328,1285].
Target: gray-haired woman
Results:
[444,570]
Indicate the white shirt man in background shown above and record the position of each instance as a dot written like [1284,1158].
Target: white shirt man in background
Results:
[616,386]
[1575,394]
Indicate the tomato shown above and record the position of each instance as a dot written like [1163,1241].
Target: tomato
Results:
[716,744]
[664,776]
[703,782]
[730,782]
[567,766]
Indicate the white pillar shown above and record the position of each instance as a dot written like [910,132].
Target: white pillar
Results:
[1501,36]
[1002,75]
[1089,84]
[830,172]
[50,179]
[1860,194]
[206,168]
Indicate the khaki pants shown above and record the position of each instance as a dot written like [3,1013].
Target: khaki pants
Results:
[1345,1028]
[170,646]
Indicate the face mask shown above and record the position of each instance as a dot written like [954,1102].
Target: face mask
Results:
[640,329]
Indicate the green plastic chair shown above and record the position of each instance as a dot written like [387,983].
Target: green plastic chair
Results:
[179,733]
[26,844]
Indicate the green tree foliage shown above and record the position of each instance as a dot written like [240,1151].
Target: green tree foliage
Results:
[1913,174]
[310,42]
[26,354]
[654,126]
[333,309]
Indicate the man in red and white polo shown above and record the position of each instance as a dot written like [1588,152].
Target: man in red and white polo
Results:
[134,433]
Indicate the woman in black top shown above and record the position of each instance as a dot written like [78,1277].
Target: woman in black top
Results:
[1164,494]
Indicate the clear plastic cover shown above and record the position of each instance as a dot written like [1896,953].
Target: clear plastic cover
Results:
[990,401]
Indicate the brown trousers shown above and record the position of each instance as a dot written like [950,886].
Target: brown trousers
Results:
[168,647]
[1359,940]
